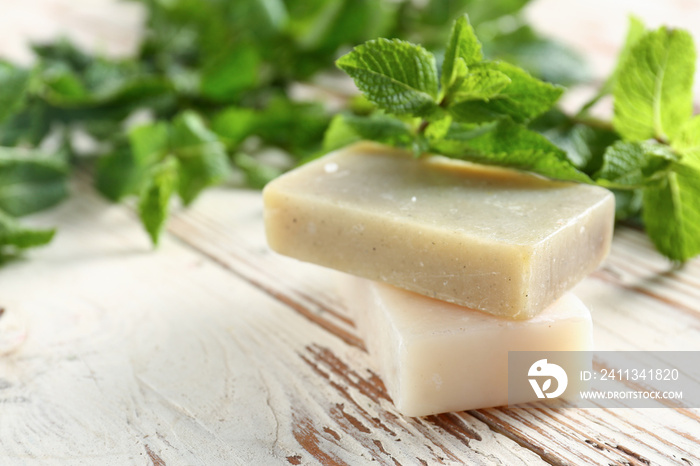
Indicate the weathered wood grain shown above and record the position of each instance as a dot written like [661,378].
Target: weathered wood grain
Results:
[213,350]
[629,317]
[167,357]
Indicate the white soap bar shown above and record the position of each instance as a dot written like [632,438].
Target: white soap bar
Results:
[438,357]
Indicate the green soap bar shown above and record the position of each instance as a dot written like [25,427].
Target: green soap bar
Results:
[497,240]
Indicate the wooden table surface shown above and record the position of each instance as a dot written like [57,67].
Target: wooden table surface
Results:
[214,350]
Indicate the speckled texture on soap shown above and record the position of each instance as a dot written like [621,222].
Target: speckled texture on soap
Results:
[500,241]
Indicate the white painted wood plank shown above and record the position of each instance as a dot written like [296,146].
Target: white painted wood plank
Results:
[139,357]
[227,226]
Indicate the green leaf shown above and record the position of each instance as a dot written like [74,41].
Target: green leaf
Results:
[487,10]
[257,174]
[397,76]
[64,87]
[635,31]
[634,164]
[30,181]
[514,146]
[155,197]
[438,129]
[117,174]
[688,141]
[671,213]
[28,126]
[149,142]
[339,134]
[481,84]
[653,92]
[524,98]
[231,73]
[381,128]
[468,131]
[13,89]
[328,24]
[461,44]
[296,127]
[123,171]
[258,18]
[584,145]
[16,236]
[234,124]
[386,129]
[202,157]
[628,203]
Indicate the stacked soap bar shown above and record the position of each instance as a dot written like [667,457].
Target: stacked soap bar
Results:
[436,356]
[486,239]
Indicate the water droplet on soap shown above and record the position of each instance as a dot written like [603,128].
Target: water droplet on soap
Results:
[414,199]
[330,167]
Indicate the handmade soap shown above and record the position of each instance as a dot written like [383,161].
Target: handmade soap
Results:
[437,357]
[497,240]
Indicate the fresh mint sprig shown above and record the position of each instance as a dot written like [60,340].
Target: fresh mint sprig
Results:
[478,113]
[483,111]
[659,153]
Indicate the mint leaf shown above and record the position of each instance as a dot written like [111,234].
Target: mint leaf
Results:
[257,174]
[339,134]
[397,76]
[346,129]
[117,174]
[635,31]
[462,44]
[155,197]
[13,88]
[628,203]
[480,84]
[15,236]
[672,213]
[688,141]
[327,24]
[201,156]
[28,127]
[381,128]
[30,181]
[296,127]
[634,164]
[123,171]
[524,98]
[512,145]
[231,73]
[234,124]
[438,129]
[482,11]
[653,91]
[149,143]
[468,131]
[584,145]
